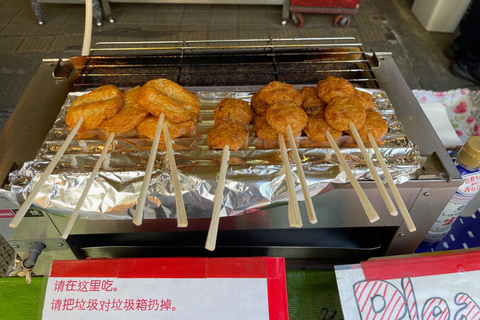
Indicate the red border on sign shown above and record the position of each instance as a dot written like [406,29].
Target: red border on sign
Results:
[273,269]
[385,269]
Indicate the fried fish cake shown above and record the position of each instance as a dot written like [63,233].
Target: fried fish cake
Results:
[342,111]
[365,99]
[258,105]
[234,109]
[333,88]
[310,99]
[265,132]
[164,96]
[277,91]
[94,107]
[129,116]
[228,132]
[148,127]
[317,127]
[285,113]
[316,112]
[374,124]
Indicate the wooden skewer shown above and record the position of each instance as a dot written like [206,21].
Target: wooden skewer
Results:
[181,213]
[367,205]
[396,195]
[31,197]
[138,216]
[90,181]
[294,217]
[301,175]
[378,181]
[217,202]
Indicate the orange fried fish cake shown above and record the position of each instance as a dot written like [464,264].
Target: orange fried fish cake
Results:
[277,91]
[342,111]
[374,124]
[333,88]
[129,116]
[316,112]
[285,113]
[258,105]
[148,127]
[365,99]
[310,99]
[316,130]
[164,96]
[228,132]
[234,109]
[94,107]
[265,132]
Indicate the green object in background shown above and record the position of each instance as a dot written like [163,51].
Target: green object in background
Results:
[313,295]
[20,300]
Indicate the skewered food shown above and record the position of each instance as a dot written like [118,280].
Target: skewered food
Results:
[265,132]
[342,111]
[148,127]
[277,91]
[164,96]
[333,88]
[94,107]
[365,99]
[310,99]
[285,113]
[258,105]
[234,109]
[129,116]
[228,132]
[317,127]
[374,124]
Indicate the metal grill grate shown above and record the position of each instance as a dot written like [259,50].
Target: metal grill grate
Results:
[227,62]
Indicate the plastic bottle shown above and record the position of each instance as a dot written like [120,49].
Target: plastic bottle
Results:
[468,163]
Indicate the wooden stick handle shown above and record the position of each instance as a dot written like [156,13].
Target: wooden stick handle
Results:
[36,189]
[376,177]
[396,195]
[294,216]
[90,181]
[181,213]
[217,202]
[301,175]
[138,216]
[367,205]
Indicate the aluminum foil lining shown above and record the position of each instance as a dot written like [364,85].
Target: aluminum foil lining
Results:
[255,177]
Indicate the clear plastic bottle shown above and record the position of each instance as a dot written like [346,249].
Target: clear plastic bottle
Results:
[468,163]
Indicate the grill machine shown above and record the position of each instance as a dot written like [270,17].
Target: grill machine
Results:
[343,233]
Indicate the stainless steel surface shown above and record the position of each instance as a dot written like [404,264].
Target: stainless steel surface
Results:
[338,210]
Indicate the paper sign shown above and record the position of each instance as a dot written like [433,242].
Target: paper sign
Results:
[169,288]
[433,288]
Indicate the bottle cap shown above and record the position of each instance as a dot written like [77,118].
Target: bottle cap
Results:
[470,153]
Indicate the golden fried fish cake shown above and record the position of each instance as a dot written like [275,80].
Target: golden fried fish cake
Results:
[316,130]
[94,107]
[228,132]
[374,124]
[234,109]
[285,113]
[148,127]
[258,105]
[265,132]
[129,116]
[365,99]
[310,99]
[277,91]
[333,88]
[164,96]
[342,111]
[316,112]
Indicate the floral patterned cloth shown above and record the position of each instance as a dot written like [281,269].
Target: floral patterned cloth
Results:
[459,109]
